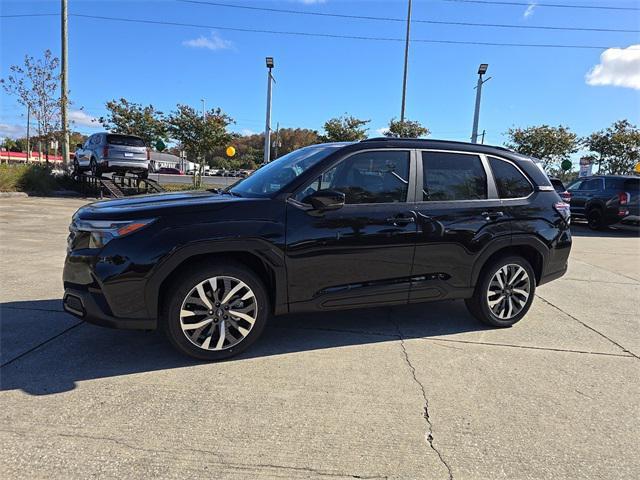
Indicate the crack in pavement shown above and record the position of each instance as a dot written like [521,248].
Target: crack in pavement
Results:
[429,435]
[607,270]
[32,349]
[220,459]
[588,326]
[451,340]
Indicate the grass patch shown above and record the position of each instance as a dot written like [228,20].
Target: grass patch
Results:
[28,178]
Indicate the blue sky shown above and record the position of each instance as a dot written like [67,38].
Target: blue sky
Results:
[318,78]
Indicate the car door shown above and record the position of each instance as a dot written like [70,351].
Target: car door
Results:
[458,215]
[584,194]
[84,154]
[362,253]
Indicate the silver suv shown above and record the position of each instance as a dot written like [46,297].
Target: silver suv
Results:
[112,152]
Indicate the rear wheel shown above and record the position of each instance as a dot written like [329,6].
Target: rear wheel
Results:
[143,175]
[95,168]
[504,292]
[594,219]
[215,311]
[76,168]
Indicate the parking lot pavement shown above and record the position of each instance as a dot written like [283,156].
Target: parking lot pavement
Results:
[407,392]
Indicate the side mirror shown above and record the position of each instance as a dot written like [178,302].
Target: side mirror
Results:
[324,200]
[78,146]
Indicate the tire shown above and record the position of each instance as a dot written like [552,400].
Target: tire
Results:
[76,169]
[203,342]
[95,168]
[595,219]
[143,175]
[499,314]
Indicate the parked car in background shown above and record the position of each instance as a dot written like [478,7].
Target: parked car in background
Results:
[606,200]
[559,187]
[331,226]
[169,171]
[112,152]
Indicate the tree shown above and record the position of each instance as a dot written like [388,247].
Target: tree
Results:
[290,139]
[551,145]
[35,84]
[406,129]
[345,129]
[616,149]
[199,136]
[135,119]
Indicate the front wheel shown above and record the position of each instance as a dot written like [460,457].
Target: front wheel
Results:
[594,219]
[504,292]
[215,311]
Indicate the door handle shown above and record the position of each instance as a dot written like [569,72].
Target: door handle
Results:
[401,220]
[492,215]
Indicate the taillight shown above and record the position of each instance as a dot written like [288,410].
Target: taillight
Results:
[566,196]
[563,209]
[624,198]
[105,151]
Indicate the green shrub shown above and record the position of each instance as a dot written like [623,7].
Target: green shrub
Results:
[26,178]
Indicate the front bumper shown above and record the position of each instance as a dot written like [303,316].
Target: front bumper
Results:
[87,306]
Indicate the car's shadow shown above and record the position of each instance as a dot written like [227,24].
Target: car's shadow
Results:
[580,229]
[85,352]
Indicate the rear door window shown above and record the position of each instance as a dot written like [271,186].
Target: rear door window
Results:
[124,140]
[452,176]
[591,184]
[510,182]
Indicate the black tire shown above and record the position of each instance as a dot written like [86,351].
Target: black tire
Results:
[143,175]
[186,282]
[95,168]
[478,305]
[76,169]
[595,219]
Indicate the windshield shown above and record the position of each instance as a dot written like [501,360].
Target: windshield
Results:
[278,173]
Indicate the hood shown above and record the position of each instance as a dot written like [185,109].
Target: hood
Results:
[157,204]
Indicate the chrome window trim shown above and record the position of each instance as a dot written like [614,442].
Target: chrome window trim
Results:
[492,193]
[533,187]
[411,186]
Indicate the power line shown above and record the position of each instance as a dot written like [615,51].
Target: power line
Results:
[396,19]
[554,5]
[336,36]
[31,15]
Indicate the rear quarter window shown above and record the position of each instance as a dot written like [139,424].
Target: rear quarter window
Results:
[510,182]
[125,140]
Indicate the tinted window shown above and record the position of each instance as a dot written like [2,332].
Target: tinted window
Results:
[368,177]
[125,140]
[557,185]
[592,184]
[510,182]
[453,176]
[632,186]
[575,185]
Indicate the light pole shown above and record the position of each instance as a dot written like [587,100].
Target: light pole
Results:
[204,111]
[482,69]
[63,86]
[406,64]
[267,128]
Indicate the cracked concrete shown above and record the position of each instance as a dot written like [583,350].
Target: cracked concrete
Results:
[421,391]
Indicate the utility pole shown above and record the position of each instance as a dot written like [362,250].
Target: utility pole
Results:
[204,111]
[63,87]
[28,132]
[483,132]
[406,64]
[267,128]
[482,69]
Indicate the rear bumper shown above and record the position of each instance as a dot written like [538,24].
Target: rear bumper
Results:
[83,304]
[131,165]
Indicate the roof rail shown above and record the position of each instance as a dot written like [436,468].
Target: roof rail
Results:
[391,139]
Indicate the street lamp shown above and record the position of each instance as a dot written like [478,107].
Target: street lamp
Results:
[482,69]
[204,111]
[267,128]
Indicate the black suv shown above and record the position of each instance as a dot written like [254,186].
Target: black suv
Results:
[606,200]
[331,226]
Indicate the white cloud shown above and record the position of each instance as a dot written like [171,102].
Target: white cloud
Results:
[12,130]
[619,67]
[247,131]
[83,119]
[381,131]
[529,11]
[213,42]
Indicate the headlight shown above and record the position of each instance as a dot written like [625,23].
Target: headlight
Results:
[103,231]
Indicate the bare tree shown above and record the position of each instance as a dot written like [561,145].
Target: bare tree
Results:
[36,85]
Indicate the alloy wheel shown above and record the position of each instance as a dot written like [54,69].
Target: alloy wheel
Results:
[508,291]
[218,313]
